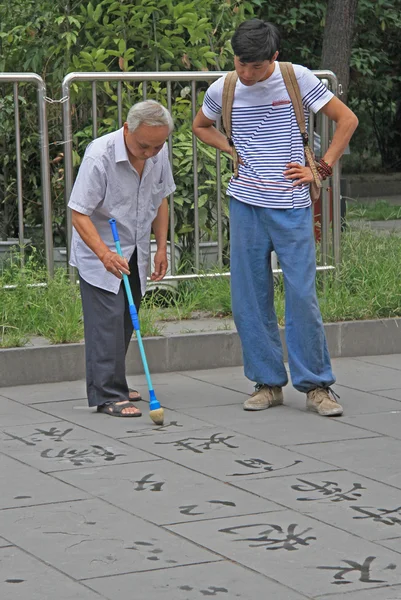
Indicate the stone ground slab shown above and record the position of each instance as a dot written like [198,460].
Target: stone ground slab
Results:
[392,361]
[23,577]
[23,485]
[46,392]
[357,402]
[4,543]
[223,581]
[360,375]
[61,445]
[281,425]
[296,550]
[392,543]
[78,412]
[226,455]
[392,592]
[14,413]
[91,538]
[84,523]
[377,458]
[394,393]
[386,423]
[163,493]
[350,502]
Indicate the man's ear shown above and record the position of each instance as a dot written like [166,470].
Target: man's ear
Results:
[275,56]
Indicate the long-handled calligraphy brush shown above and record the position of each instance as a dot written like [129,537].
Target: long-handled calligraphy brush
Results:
[156,412]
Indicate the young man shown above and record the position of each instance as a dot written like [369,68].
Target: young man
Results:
[270,209]
[125,175]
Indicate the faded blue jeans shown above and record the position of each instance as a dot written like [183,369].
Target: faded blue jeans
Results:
[254,233]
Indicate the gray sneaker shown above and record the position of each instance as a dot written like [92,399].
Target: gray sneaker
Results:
[264,397]
[324,402]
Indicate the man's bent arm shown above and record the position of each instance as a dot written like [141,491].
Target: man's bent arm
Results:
[346,123]
[112,261]
[204,129]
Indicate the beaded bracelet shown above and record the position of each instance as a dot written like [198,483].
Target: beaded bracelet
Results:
[324,169]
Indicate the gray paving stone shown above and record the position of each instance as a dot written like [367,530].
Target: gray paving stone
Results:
[222,580]
[296,550]
[4,543]
[377,458]
[359,375]
[359,403]
[61,445]
[386,360]
[227,455]
[393,393]
[387,423]
[25,486]
[351,502]
[91,539]
[231,378]
[392,592]
[78,412]
[13,413]
[25,578]
[45,392]
[163,492]
[393,544]
[281,425]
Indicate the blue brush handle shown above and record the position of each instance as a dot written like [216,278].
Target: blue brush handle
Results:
[154,403]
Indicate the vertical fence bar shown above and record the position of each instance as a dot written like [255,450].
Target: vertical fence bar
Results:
[171,197]
[195,164]
[336,210]
[219,204]
[325,196]
[120,103]
[19,171]
[45,177]
[68,165]
[145,90]
[94,110]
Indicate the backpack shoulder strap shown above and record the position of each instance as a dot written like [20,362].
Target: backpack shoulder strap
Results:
[291,83]
[227,105]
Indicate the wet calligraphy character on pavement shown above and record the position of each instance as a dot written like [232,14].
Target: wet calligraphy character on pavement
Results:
[81,457]
[381,516]
[261,465]
[330,489]
[275,537]
[205,443]
[39,435]
[362,569]
[147,483]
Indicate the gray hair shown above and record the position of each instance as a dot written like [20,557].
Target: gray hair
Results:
[149,112]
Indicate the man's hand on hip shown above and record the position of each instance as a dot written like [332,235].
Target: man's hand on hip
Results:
[161,264]
[298,173]
[116,264]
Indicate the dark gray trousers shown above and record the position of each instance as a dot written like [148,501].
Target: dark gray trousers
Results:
[108,329]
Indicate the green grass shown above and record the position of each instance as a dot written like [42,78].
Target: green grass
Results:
[378,211]
[366,286]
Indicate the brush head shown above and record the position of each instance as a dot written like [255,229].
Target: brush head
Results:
[157,416]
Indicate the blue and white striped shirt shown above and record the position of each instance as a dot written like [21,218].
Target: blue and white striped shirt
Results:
[266,135]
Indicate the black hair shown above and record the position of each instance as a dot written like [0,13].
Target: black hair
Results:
[255,41]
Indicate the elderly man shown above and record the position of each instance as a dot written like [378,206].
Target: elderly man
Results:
[125,175]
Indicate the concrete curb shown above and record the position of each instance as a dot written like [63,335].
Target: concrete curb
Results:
[66,362]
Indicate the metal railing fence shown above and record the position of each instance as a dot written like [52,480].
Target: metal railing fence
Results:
[16,79]
[327,129]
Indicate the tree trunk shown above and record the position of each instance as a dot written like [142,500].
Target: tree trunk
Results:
[337,41]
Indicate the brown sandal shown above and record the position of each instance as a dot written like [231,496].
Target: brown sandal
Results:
[115,409]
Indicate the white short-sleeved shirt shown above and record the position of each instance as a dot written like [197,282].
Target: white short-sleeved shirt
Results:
[108,186]
[267,137]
